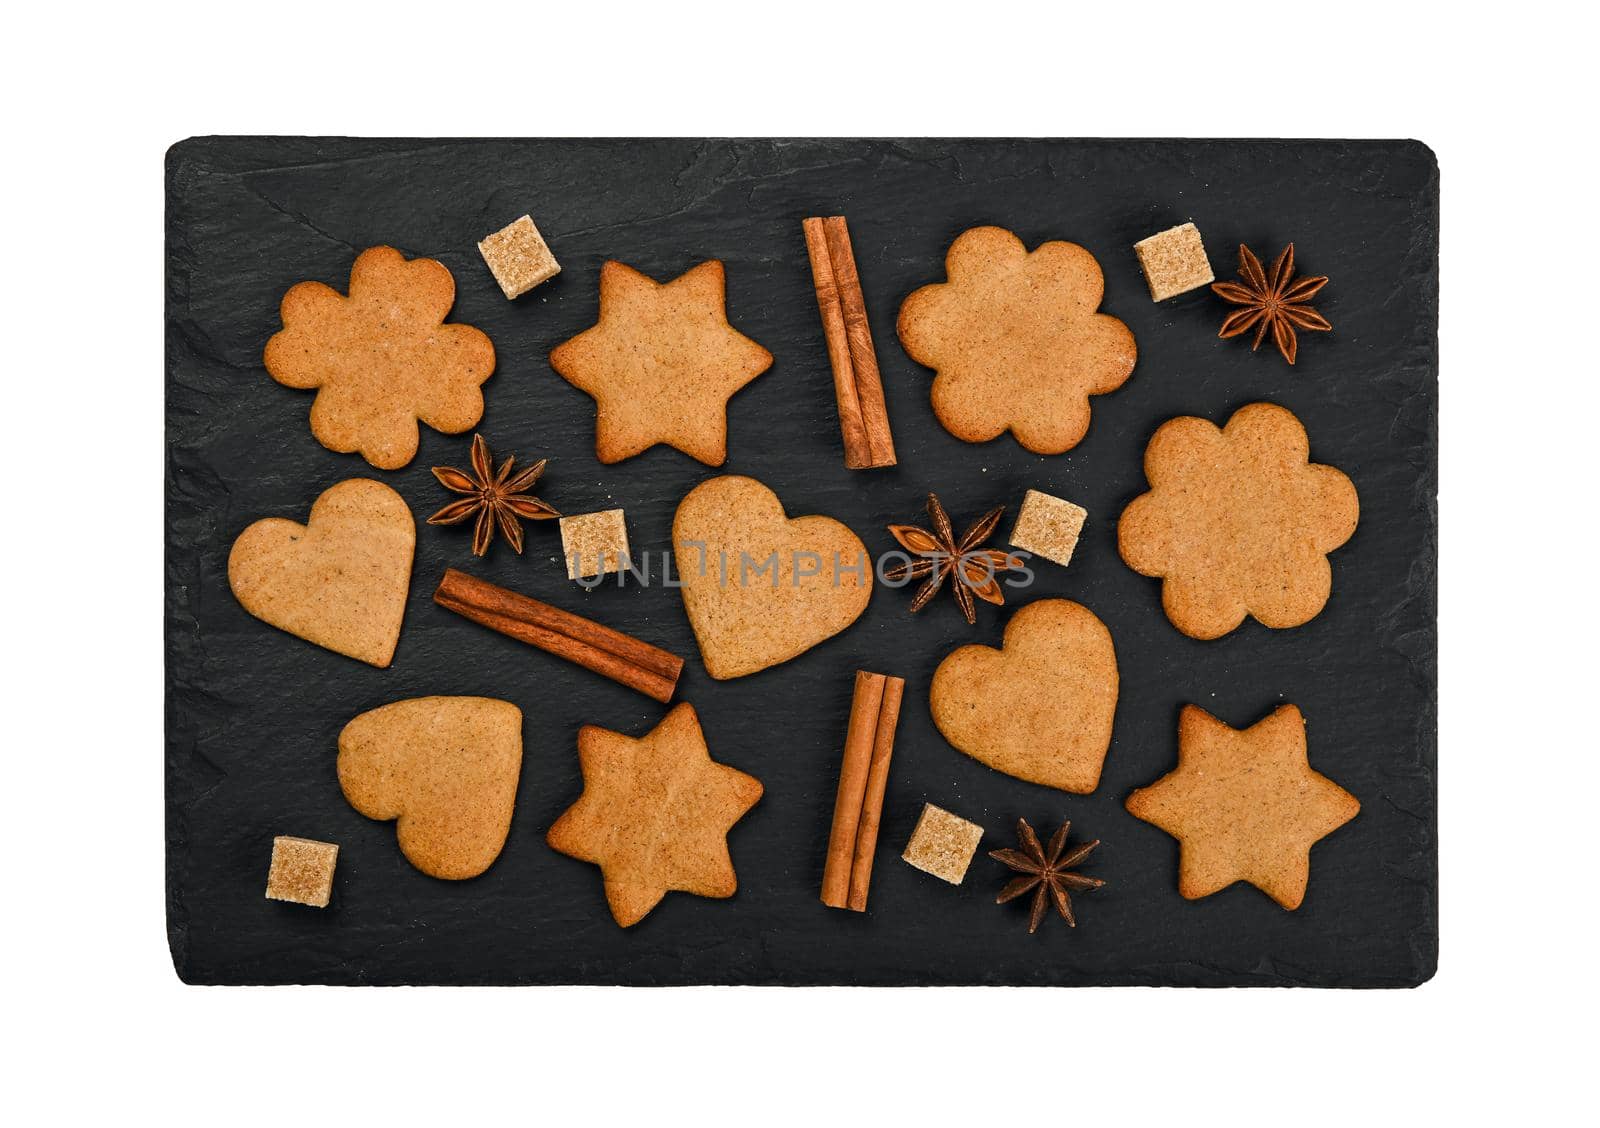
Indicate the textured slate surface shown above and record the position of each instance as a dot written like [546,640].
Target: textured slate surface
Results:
[253,714]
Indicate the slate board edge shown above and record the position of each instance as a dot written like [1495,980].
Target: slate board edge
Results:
[178,614]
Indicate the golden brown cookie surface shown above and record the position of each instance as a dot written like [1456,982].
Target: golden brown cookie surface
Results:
[655,814]
[446,768]
[661,363]
[1238,521]
[340,580]
[1041,707]
[1016,340]
[1245,805]
[761,587]
[382,358]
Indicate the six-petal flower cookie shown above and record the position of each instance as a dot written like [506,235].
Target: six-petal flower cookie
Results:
[1245,805]
[661,363]
[1016,340]
[1238,521]
[382,357]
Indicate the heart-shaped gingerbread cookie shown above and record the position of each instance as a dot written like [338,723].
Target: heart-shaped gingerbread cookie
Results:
[446,768]
[761,587]
[341,579]
[1039,708]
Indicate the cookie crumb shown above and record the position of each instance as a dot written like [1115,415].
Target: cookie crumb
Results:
[302,871]
[1174,261]
[518,257]
[943,844]
[594,543]
[1048,526]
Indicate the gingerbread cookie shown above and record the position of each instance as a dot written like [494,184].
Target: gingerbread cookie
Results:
[1016,340]
[382,358]
[655,814]
[1244,805]
[1238,521]
[340,580]
[761,587]
[661,363]
[446,768]
[1040,707]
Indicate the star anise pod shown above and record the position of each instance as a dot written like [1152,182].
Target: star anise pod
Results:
[1275,302]
[1046,872]
[973,569]
[495,497]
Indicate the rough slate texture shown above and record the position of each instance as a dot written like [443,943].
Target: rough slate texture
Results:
[253,714]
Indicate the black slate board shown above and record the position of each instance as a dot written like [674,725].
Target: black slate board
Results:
[253,714]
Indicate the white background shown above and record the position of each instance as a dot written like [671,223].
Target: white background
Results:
[92,99]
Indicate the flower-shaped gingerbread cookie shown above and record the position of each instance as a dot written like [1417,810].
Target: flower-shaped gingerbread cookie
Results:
[1016,341]
[382,358]
[1238,521]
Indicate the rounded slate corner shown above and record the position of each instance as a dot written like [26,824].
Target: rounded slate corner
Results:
[178,150]
[1424,151]
[178,949]
[1427,968]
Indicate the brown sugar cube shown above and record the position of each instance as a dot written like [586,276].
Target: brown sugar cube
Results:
[943,844]
[302,871]
[1174,261]
[1048,527]
[594,543]
[518,257]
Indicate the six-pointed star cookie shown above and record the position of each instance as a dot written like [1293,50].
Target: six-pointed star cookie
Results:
[655,814]
[1245,805]
[661,363]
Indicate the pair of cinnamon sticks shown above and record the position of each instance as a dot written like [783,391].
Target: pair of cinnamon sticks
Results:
[857,384]
[863,778]
[620,657]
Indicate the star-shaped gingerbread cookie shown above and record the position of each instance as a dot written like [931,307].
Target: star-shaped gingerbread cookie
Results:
[1245,805]
[655,814]
[661,363]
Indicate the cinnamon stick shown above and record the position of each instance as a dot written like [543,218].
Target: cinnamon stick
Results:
[857,383]
[620,657]
[877,783]
[856,444]
[863,777]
